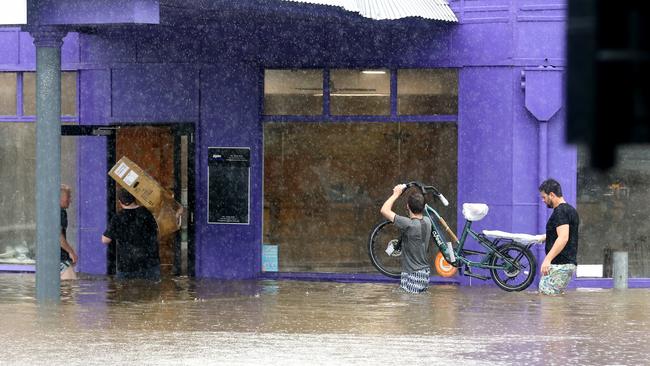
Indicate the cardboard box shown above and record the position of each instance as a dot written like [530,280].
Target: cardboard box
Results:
[168,214]
[160,201]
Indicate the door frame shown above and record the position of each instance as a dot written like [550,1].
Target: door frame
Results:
[178,131]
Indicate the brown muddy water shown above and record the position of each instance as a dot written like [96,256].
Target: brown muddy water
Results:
[265,322]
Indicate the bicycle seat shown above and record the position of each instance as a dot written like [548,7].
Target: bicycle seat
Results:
[474,211]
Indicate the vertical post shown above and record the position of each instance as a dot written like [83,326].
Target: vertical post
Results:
[48,43]
[542,169]
[619,270]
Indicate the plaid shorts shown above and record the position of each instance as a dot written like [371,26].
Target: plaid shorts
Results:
[557,279]
[415,282]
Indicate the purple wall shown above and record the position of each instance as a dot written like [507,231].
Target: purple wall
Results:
[211,76]
[92,187]
[17,51]
[229,118]
[83,12]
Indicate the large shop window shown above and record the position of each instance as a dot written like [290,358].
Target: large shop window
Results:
[324,184]
[18,182]
[293,92]
[613,208]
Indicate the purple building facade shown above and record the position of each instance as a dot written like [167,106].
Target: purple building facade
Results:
[202,66]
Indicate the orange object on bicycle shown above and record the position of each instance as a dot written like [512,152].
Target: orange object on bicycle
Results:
[443,267]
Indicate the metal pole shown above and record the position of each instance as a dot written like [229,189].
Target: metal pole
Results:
[48,162]
[542,170]
[619,270]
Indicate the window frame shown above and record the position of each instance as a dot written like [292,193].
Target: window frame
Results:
[20,105]
[326,116]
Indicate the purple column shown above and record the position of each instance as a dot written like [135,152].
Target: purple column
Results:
[92,186]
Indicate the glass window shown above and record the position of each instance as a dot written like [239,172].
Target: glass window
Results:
[7,94]
[293,92]
[360,92]
[68,94]
[18,182]
[427,91]
[324,184]
[613,207]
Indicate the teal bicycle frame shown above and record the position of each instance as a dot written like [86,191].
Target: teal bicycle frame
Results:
[460,253]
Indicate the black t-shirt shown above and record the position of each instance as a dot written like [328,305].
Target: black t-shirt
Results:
[64,227]
[563,214]
[136,235]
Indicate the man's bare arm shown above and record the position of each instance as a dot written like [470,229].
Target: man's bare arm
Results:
[387,208]
[68,248]
[560,243]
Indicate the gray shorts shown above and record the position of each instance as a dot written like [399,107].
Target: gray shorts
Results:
[557,279]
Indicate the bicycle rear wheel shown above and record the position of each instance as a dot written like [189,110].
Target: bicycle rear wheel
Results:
[515,277]
[381,235]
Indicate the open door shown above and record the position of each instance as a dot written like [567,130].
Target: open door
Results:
[165,152]
[87,154]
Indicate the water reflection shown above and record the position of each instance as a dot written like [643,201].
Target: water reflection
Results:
[183,321]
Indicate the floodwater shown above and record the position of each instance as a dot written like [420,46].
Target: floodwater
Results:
[266,322]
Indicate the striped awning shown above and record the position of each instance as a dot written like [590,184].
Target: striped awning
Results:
[393,9]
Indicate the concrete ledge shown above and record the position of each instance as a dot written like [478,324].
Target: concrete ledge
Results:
[17,268]
[608,283]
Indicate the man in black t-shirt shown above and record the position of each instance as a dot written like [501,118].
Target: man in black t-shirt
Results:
[68,256]
[136,233]
[561,240]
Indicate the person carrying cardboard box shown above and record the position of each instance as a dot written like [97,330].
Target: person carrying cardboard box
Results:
[136,233]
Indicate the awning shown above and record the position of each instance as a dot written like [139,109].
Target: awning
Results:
[393,9]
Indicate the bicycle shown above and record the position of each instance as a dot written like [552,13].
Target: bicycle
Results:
[508,257]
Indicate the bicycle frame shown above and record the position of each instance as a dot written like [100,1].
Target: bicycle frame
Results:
[491,246]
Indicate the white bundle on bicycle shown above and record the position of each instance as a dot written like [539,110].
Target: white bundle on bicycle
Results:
[519,238]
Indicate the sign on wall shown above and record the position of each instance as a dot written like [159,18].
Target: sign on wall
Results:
[229,185]
[269,258]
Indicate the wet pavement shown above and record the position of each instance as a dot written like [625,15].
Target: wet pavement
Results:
[267,322]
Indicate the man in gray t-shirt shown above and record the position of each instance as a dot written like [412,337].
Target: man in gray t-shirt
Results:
[414,246]
[416,231]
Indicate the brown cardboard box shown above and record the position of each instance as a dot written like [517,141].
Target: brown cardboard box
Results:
[150,194]
[168,214]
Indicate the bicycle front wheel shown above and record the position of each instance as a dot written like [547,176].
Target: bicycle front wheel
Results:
[516,273]
[379,240]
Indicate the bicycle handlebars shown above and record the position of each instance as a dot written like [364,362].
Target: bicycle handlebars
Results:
[432,189]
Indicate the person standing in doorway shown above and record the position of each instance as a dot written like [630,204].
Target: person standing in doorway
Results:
[416,234]
[68,255]
[561,240]
[136,234]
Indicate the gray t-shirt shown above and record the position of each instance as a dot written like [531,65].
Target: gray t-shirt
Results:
[414,248]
